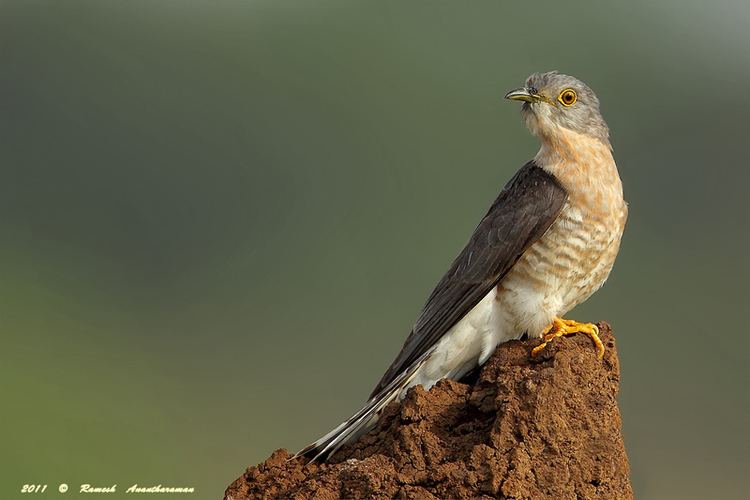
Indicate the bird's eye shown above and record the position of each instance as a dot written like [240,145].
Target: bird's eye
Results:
[568,97]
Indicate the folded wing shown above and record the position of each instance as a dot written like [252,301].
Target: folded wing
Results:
[522,212]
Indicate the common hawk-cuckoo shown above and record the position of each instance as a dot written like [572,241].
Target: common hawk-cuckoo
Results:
[546,244]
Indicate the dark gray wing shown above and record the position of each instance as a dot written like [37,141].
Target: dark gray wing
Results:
[522,212]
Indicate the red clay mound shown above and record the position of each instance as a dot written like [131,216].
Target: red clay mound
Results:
[525,429]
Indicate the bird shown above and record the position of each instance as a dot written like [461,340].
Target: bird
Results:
[546,244]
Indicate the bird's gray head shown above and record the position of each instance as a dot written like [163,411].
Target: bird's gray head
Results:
[553,101]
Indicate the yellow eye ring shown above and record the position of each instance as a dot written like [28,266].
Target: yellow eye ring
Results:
[567,97]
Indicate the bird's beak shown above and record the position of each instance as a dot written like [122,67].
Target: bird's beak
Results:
[523,94]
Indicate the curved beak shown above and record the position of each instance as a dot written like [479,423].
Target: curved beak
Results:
[523,94]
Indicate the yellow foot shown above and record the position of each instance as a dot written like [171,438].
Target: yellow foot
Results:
[564,327]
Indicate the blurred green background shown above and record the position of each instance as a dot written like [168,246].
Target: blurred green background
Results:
[220,219]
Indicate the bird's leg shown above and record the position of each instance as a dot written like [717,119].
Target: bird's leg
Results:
[563,327]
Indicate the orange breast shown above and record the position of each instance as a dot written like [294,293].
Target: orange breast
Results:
[576,254]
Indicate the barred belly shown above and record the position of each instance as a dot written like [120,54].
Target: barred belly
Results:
[561,270]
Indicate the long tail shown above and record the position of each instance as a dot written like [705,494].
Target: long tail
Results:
[362,421]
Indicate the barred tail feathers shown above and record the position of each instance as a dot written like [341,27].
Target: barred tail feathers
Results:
[362,421]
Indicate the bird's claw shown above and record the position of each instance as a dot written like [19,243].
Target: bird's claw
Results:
[562,328]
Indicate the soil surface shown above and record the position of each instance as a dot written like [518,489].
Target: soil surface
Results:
[523,429]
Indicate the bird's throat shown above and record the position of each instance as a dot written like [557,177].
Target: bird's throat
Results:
[576,160]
